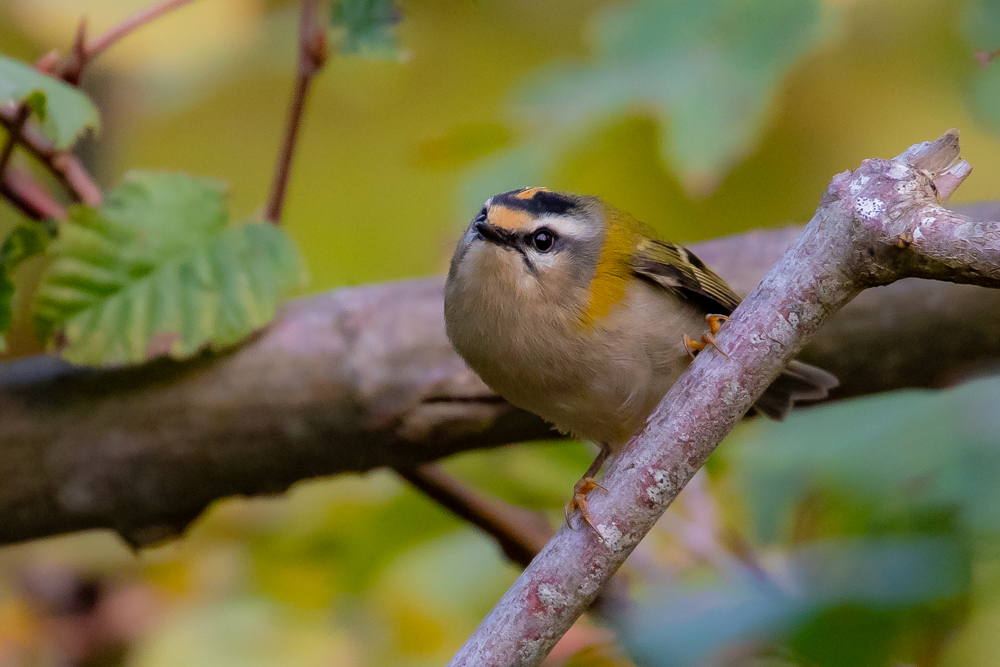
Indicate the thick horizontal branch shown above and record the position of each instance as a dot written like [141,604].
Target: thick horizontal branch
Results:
[364,377]
[875,225]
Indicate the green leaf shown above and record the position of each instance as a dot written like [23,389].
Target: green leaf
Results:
[367,27]
[982,30]
[869,579]
[709,71]
[24,241]
[904,454]
[157,270]
[981,24]
[63,110]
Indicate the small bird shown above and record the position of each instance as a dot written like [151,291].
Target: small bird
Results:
[571,308]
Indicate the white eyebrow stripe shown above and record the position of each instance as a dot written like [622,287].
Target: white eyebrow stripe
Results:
[567,226]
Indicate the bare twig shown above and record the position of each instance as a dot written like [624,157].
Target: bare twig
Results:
[29,197]
[881,223]
[82,52]
[13,135]
[986,57]
[521,533]
[60,163]
[72,69]
[312,57]
[22,111]
[131,24]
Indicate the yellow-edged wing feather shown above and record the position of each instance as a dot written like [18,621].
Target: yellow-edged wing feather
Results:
[676,268]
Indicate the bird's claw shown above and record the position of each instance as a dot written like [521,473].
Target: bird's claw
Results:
[714,324]
[579,502]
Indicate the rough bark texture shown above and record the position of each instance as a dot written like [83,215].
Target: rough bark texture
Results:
[345,381]
[876,225]
[364,377]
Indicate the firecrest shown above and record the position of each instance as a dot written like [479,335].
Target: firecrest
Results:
[571,308]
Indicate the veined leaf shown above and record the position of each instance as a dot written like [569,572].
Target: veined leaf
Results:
[367,27]
[157,270]
[24,241]
[63,111]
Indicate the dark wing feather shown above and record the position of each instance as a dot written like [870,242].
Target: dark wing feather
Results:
[677,268]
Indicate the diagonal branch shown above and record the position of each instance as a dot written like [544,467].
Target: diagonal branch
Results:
[881,223]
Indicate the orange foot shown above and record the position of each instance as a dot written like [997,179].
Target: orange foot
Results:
[579,502]
[714,324]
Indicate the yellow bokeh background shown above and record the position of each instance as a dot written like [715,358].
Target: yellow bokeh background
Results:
[360,570]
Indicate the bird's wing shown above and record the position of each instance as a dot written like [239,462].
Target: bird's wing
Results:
[676,268]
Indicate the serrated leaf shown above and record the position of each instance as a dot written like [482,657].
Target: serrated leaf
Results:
[24,241]
[63,111]
[708,71]
[157,270]
[367,27]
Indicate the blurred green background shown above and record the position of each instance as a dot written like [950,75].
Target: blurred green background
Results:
[855,534]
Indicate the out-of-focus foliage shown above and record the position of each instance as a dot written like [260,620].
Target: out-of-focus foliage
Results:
[982,28]
[155,271]
[367,27]
[895,498]
[63,111]
[707,71]
[852,582]
[857,536]
[901,460]
[26,240]
[158,270]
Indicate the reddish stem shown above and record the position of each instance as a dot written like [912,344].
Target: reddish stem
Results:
[13,135]
[128,26]
[28,197]
[521,533]
[312,56]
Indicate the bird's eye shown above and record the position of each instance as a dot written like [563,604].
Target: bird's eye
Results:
[543,240]
[481,216]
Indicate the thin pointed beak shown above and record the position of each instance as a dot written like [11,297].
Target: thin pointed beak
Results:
[492,234]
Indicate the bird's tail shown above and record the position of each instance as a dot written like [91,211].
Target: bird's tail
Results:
[798,382]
